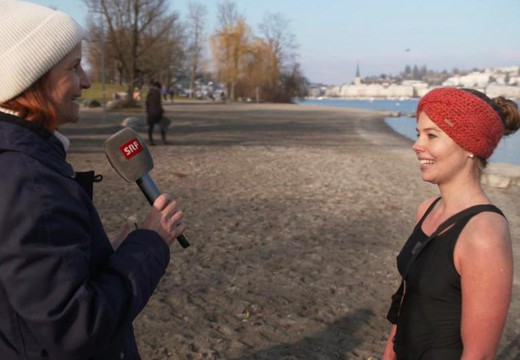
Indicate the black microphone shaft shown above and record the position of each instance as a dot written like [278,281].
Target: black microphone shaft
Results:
[148,187]
[151,192]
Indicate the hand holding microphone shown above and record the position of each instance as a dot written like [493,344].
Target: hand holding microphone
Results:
[130,157]
[165,218]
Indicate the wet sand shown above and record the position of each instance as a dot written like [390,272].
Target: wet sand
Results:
[295,216]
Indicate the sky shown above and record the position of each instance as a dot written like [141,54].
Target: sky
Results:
[382,36]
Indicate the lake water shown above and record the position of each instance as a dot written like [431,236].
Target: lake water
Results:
[507,151]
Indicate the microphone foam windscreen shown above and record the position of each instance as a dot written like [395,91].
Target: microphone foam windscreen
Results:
[128,154]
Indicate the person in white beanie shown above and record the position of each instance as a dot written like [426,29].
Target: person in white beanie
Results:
[66,291]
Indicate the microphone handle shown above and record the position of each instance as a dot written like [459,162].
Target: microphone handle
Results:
[148,187]
[151,192]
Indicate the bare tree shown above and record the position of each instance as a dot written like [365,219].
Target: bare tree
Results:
[230,45]
[281,56]
[195,33]
[256,70]
[133,27]
[166,57]
[282,42]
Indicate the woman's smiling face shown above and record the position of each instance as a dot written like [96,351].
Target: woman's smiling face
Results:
[64,84]
[441,158]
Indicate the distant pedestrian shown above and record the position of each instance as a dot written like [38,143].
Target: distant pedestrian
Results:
[164,93]
[154,110]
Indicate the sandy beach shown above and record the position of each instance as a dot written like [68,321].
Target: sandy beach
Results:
[295,216]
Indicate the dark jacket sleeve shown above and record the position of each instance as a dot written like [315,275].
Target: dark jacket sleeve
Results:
[57,267]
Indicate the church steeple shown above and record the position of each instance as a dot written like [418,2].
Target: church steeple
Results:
[357,79]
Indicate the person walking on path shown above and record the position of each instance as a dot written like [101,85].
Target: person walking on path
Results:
[154,111]
[457,265]
[66,290]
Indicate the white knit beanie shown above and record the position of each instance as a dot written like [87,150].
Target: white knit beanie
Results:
[33,39]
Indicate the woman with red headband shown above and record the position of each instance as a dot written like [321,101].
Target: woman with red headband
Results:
[457,265]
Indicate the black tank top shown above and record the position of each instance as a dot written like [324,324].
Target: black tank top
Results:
[430,315]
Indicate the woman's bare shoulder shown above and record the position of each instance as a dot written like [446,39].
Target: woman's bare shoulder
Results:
[423,206]
[486,231]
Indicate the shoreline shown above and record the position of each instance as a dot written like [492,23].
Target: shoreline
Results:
[373,98]
[398,113]
[295,215]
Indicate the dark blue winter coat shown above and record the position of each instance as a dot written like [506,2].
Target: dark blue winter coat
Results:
[64,293]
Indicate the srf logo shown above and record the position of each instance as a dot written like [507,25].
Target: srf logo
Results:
[131,148]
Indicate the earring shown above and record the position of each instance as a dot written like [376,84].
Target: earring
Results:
[471,156]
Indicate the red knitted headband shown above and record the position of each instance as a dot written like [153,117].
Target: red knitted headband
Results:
[469,120]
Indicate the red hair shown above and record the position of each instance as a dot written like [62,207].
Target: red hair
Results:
[34,105]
